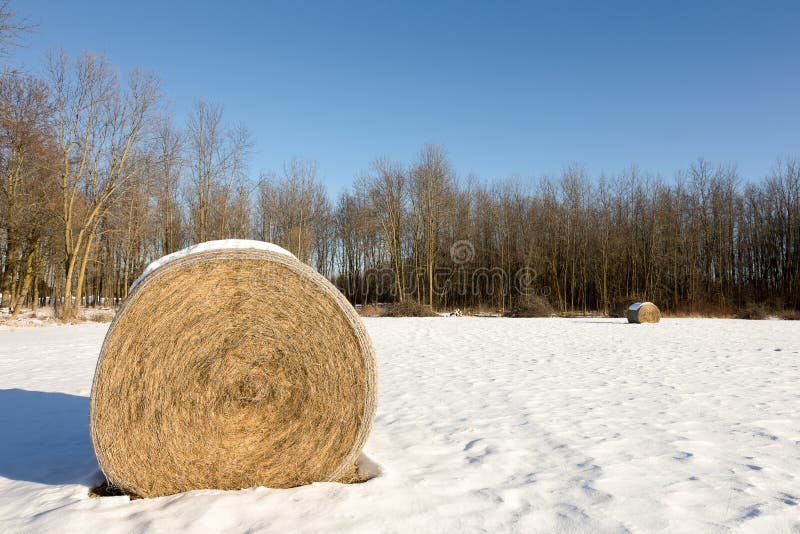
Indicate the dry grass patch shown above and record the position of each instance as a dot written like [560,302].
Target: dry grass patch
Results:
[408,309]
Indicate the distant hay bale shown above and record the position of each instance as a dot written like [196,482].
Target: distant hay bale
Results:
[230,369]
[643,312]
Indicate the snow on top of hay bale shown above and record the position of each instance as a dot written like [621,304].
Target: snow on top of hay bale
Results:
[221,244]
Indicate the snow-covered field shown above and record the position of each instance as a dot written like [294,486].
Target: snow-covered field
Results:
[527,425]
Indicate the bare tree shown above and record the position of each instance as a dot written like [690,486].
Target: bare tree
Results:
[12,29]
[432,182]
[25,162]
[99,127]
[169,163]
[292,206]
[388,188]
[216,162]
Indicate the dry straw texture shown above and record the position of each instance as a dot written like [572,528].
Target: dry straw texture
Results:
[232,369]
[644,312]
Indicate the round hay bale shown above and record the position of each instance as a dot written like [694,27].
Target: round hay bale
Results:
[230,368]
[643,312]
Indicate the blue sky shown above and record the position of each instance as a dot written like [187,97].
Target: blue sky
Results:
[508,88]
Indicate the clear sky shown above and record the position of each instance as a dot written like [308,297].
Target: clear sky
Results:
[508,88]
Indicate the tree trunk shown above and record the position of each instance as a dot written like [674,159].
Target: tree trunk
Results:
[19,299]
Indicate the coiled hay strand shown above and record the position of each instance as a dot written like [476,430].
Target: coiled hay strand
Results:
[644,312]
[232,369]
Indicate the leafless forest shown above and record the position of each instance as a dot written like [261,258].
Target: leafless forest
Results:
[98,180]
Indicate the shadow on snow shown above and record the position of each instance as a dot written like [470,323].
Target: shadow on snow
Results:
[45,438]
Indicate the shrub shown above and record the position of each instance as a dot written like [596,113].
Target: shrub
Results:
[705,309]
[370,310]
[408,309]
[752,311]
[531,307]
[618,307]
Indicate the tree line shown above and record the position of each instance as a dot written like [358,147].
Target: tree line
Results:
[98,180]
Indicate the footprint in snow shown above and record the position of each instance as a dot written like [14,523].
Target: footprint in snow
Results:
[749,513]
[477,450]
[472,443]
[762,434]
